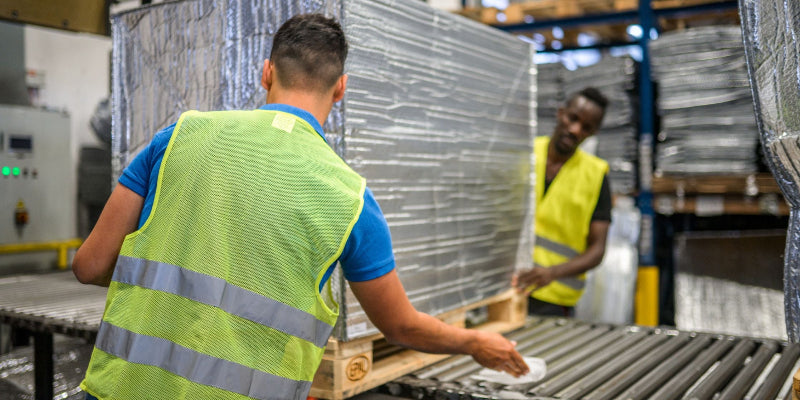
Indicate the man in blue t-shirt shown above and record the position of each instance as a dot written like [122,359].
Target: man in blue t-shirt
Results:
[304,78]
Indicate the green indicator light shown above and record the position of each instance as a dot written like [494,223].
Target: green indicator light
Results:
[15,171]
[6,171]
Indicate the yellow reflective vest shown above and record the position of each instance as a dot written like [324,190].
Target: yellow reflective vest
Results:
[563,216]
[217,295]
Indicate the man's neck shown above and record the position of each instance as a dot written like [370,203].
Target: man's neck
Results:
[302,100]
[556,157]
[555,160]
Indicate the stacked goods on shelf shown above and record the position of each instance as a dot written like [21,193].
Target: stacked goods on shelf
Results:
[706,107]
[437,118]
[549,95]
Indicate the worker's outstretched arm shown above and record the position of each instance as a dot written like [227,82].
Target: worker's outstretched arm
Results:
[595,250]
[95,260]
[387,306]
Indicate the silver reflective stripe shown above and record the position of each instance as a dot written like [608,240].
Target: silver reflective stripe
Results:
[559,248]
[575,283]
[197,367]
[219,293]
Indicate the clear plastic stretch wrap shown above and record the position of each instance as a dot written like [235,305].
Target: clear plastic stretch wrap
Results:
[439,118]
[611,287]
[771,29]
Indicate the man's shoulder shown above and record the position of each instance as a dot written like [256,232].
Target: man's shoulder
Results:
[591,159]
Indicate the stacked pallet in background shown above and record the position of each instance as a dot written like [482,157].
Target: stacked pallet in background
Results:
[549,95]
[704,99]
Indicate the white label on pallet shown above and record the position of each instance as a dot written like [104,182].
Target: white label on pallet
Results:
[356,329]
[709,205]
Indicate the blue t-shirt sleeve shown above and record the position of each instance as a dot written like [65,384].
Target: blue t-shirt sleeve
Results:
[141,175]
[368,252]
[136,175]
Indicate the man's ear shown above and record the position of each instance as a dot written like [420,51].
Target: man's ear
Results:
[266,76]
[341,86]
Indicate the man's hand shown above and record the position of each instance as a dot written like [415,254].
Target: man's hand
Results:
[532,279]
[388,307]
[494,351]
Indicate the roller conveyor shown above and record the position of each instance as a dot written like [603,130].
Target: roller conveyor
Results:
[598,361]
[47,304]
[585,360]
[54,303]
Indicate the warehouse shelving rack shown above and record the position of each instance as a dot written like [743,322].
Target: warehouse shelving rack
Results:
[646,16]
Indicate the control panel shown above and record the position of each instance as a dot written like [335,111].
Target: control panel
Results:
[38,195]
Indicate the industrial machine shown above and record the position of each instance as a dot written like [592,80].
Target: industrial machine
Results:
[37,189]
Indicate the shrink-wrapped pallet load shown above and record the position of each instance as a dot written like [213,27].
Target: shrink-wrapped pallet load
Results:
[439,118]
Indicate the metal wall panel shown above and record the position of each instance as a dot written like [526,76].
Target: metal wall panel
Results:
[730,282]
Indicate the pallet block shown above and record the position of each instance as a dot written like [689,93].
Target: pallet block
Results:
[352,367]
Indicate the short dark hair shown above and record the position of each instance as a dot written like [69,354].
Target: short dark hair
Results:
[593,95]
[309,51]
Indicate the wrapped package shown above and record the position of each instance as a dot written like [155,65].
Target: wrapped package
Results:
[438,117]
[707,123]
[611,286]
[770,31]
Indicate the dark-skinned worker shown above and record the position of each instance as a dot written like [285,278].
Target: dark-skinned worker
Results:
[573,208]
[220,236]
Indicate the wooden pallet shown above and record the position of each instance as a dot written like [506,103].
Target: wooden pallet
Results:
[725,17]
[352,367]
[716,184]
[662,4]
[517,13]
[534,10]
[752,194]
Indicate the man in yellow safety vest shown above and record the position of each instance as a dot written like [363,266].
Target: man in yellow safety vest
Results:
[573,208]
[220,236]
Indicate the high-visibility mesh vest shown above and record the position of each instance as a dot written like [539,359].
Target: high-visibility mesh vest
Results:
[563,216]
[217,295]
